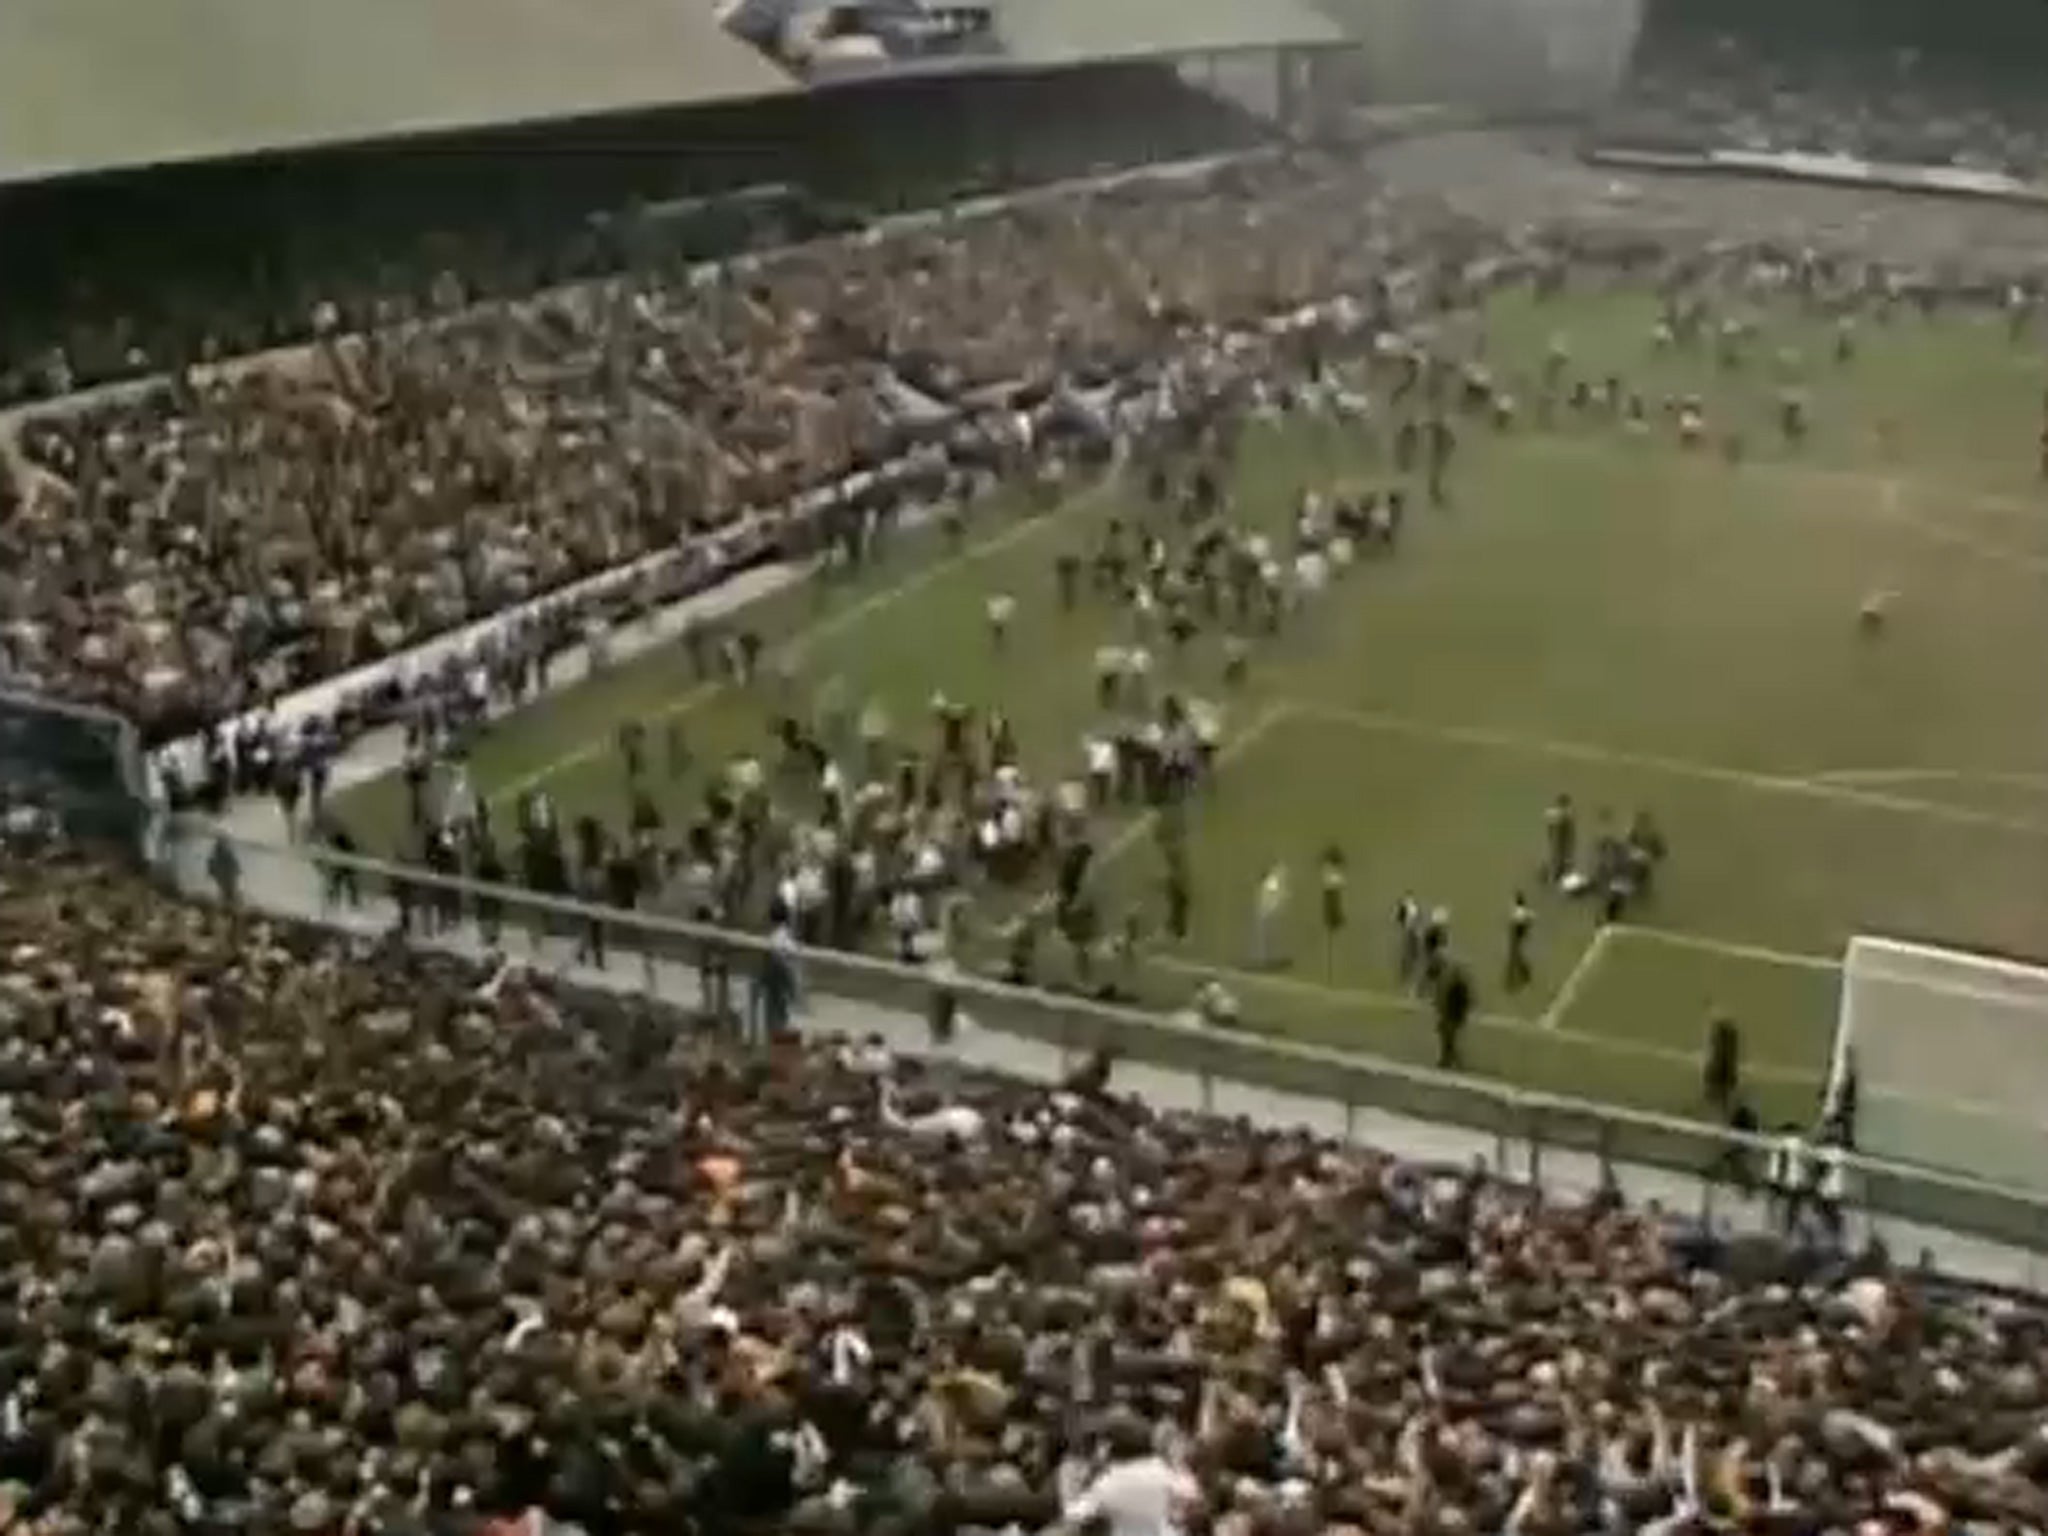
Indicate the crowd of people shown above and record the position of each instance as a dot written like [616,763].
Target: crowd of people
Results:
[299,1234]
[199,546]
[303,1237]
[946,834]
[1892,84]
[243,255]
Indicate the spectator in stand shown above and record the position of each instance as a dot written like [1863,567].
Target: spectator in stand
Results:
[305,1236]
[195,548]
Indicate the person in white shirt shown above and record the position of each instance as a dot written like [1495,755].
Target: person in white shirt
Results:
[947,1122]
[906,917]
[1144,1495]
[1109,671]
[1101,755]
[1311,572]
[1002,608]
[1138,674]
[1269,909]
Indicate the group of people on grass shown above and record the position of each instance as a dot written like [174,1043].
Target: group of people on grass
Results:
[848,827]
[308,1235]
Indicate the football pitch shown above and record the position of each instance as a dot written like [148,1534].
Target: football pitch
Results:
[1600,612]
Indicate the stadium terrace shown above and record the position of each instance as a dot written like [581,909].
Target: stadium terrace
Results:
[1022,767]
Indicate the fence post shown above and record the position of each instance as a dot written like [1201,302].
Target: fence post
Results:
[1350,1120]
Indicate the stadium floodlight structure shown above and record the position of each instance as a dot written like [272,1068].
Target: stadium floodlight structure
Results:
[1948,1054]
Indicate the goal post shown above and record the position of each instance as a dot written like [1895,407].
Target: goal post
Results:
[1949,1052]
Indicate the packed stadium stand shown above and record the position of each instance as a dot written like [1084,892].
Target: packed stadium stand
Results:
[242,253]
[561,172]
[1901,83]
[330,330]
[160,627]
[305,1238]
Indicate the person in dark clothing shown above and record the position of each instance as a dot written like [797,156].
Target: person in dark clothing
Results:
[590,843]
[489,870]
[1407,438]
[1021,968]
[1735,1163]
[1842,1108]
[343,889]
[1091,1079]
[590,946]
[1453,1012]
[289,788]
[1067,574]
[1179,901]
[1334,880]
[418,768]
[1443,442]
[1073,870]
[1518,973]
[1721,1071]
[751,1483]
[224,867]
[621,879]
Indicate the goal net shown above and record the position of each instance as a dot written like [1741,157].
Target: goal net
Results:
[1950,1055]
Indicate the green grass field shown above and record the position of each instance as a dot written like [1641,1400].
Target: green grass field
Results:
[1598,613]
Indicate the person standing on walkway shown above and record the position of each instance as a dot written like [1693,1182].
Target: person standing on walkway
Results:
[224,868]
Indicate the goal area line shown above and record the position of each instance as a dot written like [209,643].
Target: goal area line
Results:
[1552,1022]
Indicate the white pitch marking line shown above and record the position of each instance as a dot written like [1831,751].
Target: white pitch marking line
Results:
[1576,978]
[824,629]
[1727,948]
[1503,1021]
[1770,783]
[1868,776]
[1261,726]
[1890,508]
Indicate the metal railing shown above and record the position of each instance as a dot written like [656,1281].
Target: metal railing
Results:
[1526,1129]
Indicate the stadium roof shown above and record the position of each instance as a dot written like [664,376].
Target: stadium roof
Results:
[1072,31]
[96,85]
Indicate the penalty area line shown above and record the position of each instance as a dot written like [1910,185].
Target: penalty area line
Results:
[1504,1023]
[1871,777]
[1576,978]
[1727,949]
[1131,833]
[1675,767]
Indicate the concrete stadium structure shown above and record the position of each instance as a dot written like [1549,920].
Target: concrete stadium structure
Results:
[93,86]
